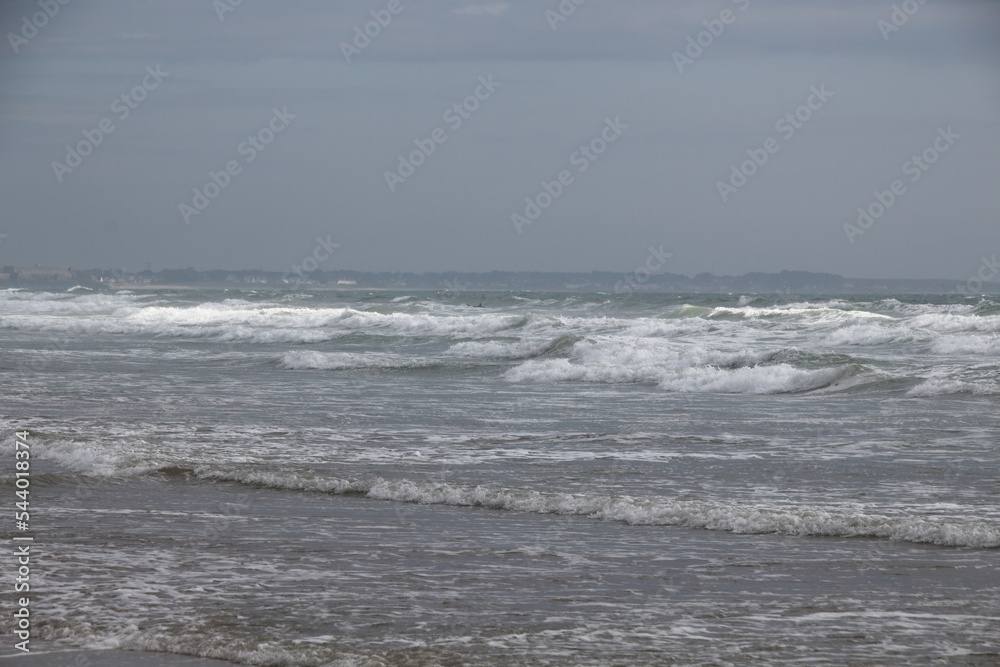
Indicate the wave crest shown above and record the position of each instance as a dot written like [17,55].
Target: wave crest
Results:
[729,516]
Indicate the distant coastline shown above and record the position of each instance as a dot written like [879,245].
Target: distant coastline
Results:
[784,282]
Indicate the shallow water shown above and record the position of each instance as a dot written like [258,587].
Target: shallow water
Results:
[399,478]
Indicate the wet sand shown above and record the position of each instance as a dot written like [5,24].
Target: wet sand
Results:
[112,659]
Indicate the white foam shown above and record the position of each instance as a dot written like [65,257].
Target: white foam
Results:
[943,386]
[868,334]
[289,481]
[521,349]
[782,378]
[672,328]
[336,361]
[956,323]
[736,517]
[673,367]
[977,344]
[234,319]
[119,459]
[682,349]
[822,313]
[962,526]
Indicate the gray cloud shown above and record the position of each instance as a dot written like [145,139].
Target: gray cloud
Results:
[658,185]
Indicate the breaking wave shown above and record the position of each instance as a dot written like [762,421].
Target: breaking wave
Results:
[709,514]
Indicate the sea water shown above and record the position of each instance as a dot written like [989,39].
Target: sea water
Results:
[403,478]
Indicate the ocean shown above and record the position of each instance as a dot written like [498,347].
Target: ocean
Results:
[407,478]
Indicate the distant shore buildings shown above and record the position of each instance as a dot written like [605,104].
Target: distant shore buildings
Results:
[779,284]
[35,274]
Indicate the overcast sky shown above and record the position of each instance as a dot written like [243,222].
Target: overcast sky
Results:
[312,117]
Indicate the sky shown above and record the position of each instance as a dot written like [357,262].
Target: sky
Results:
[852,137]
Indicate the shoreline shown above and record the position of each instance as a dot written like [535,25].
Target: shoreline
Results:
[114,658]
